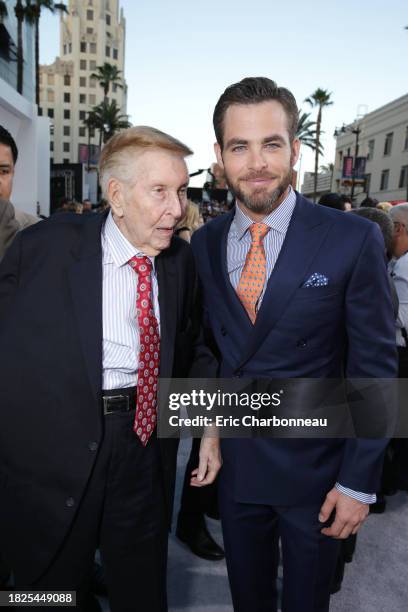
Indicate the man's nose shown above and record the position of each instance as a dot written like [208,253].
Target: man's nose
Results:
[175,206]
[257,160]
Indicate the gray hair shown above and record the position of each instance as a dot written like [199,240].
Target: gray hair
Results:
[400,213]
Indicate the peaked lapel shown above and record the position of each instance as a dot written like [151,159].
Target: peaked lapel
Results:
[305,234]
[168,282]
[85,278]
[217,238]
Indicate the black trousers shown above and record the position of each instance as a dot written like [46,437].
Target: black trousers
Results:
[123,513]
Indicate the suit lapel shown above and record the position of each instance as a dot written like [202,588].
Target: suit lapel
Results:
[217,239]
[85,277]
[167,280]
[304,237]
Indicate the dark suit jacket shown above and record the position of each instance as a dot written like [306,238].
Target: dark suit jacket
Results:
[303,333]
[51,376]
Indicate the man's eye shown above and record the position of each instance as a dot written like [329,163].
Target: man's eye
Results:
[272,145]
[238,148]
[158,190]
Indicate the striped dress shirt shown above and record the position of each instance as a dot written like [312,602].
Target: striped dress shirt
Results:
[120,354]
[238,245]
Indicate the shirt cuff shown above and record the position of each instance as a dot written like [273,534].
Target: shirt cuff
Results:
[365,498]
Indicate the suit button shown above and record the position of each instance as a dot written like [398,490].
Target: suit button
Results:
[93,446]
[223,331]
[70,502]
[301,343]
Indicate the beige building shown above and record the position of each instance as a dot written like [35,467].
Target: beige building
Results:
[92,33]
[322,187]
[383,141]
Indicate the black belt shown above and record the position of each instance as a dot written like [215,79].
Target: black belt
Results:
[119,400]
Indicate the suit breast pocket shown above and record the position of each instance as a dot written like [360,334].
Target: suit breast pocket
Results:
[317,293]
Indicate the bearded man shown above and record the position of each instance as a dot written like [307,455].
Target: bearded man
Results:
[291,290]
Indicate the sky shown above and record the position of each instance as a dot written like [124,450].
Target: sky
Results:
[181,55]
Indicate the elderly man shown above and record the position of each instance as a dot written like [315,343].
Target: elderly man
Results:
[91,310]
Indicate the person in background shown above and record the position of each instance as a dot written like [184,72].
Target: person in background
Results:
[8,226]
[384,206]
[332,200]
[8,159]
[369,202]
[86,206]
[192,528]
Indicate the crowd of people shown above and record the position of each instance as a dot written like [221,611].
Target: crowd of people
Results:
[94,308]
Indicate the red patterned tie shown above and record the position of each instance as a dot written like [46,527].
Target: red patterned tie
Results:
[149,355]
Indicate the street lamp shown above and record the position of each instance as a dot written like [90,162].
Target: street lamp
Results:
[356,130]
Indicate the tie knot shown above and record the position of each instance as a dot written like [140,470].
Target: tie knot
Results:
[141,264]
[258,231]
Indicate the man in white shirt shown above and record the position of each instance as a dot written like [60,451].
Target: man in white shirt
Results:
[92,309]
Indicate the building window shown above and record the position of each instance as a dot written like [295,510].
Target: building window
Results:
[50,95]
[66,130]
[82,81]
[67,80]
[51,145]
[114,88]
[51,160]
[107,51]
[50,113]
[82,115]
[40,111]
[83,47]
[92,82]
[82,132]
[67,113]
[348,152]
[406,139]
[67,97]
[65,49]
[89,15]
[82,64]
[370,150]
[403,181]
[92,65]
[89,30]
[70,47]
[340,160]
[92,99]
[108,19]
[65,147]
[388,144]
[385,175]
[92,47]
[82,98]
[50,79]
[367,183]
[115,54]
[65,160]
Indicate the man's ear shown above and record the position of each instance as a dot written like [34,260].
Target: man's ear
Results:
[295,151]
[218,155]
[115,196]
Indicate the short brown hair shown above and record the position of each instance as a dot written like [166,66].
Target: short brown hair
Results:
[115,154]
[254,90]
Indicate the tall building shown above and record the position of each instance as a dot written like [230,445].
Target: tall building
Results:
[18,114]
[91,34]
[382,154]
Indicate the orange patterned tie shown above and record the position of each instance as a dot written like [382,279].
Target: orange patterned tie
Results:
[253,275]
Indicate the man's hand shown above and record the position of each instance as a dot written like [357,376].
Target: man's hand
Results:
[210,462]
[350,514]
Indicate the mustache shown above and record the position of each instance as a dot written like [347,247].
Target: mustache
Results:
[257,175]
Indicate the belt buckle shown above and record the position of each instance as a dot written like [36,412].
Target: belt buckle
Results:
[109,398]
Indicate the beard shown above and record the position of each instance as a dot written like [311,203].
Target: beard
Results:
[260,200]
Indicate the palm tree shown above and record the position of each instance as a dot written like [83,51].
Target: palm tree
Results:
[3,10]
[306,133]
[319,99]
[90,124]
[33,15]
[19,11]
[107,75]
[107,118]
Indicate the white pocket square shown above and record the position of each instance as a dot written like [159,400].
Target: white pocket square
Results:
[316,280]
